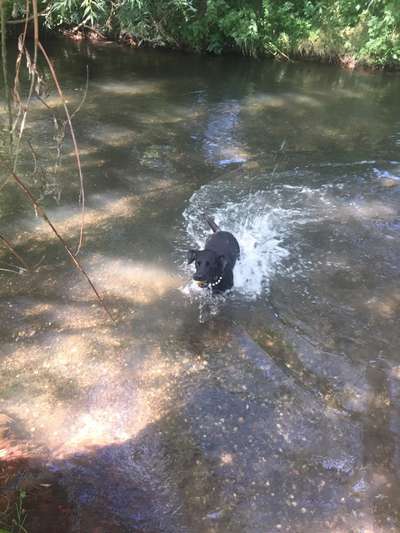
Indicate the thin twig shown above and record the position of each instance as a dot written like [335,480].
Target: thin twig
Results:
[35,30]
[43,101]
[21,49]
[75,261]
[84,25]
[84,94]
[5,73]
[277,50]
[13,272]
[20,21]
[33,73]
[97,32]
[34,156]
[76,150]
[280,151]
[13,251]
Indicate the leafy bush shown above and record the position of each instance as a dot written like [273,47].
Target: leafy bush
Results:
[368,31]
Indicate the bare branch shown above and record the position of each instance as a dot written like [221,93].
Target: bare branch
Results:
[84,94]
[74,260]
[19,124]
[27,19]
[5,72]
[21,49]
[33,74]
[12,271]
[77,156]
[13,251]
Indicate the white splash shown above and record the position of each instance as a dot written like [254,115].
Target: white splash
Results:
[275,218]
[260,230]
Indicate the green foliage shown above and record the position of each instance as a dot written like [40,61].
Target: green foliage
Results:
[76,12]
[368,31]
[14,519]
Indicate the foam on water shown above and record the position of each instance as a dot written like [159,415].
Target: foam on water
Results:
[273,217]
[259,227]
[260,230]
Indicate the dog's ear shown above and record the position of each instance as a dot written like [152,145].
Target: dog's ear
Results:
[222,261]
[191,256]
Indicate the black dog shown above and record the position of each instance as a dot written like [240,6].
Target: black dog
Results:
[214,264]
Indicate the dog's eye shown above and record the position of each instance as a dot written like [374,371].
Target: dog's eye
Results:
[198,263]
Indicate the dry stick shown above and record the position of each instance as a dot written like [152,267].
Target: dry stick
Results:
[97,32]
[16,95]
[5,72]
[44,103]
[20,21]
[78,160]
[84,94]
[15,254]
[12,272]
[35,30]
[61,131]
[33,73]
[280,151]
[18,98]
[34,156]
[75,261]
[21,48]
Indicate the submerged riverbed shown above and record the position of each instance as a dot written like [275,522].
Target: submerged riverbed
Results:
[274,408]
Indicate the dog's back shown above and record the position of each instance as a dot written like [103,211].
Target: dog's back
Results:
[224,243]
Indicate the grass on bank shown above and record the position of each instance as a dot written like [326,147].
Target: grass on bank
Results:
[354,32]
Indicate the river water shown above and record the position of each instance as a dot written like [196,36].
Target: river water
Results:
[273,408]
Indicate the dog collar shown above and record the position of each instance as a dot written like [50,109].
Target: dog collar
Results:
[215,283]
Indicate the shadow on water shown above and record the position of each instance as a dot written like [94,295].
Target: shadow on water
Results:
[226,453]
[194,428]
[379,435]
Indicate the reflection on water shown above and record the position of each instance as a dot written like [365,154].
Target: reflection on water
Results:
[174,419]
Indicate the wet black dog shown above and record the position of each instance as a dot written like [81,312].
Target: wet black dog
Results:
[214,264]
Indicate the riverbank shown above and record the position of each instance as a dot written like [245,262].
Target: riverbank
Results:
[312,52]
[351,33]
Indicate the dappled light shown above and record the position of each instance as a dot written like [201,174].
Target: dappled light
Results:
[134,281]
[100,211]
[367,211]
[133,88]
[387,306]
[84,393]
[260,102]
[173,115]
[114,135]
[271,407]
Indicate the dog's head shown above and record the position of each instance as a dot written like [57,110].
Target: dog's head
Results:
[209,266]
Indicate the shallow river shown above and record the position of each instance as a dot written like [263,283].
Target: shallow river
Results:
[273,408]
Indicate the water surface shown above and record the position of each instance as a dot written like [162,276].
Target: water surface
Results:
[275,408]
